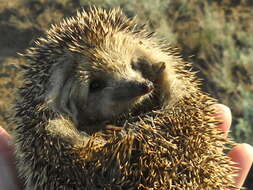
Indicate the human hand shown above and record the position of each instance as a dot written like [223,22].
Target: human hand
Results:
[241,154]
[8,174]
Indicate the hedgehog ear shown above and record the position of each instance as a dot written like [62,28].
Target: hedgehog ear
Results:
[64,91]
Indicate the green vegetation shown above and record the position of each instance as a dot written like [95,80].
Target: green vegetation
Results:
[215,35]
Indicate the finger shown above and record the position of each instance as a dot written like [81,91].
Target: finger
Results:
[6,150]
[4,140]
[223,114]
[8,179]
[242,155]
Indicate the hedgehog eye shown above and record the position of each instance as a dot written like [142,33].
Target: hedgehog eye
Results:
[96,85]
[140,64]
[135,66]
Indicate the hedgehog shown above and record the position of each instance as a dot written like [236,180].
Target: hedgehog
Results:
[106,104]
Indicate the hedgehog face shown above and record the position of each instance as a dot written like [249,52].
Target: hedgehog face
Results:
[116,80]
[109,98]
[113,93]
[93,89]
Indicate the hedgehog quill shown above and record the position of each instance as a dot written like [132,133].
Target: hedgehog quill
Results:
[105,104]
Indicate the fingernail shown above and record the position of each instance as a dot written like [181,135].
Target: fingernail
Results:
[219,108]
[249,149]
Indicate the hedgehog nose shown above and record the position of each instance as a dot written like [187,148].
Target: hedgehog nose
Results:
[147,87]
[131,89]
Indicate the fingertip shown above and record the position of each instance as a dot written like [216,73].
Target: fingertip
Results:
[4,139]
[242,155]
[3,132]
[248,147]
[223,114]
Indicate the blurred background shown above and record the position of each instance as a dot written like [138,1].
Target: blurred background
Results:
[215,35]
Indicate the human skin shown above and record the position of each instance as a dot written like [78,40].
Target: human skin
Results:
[241,154]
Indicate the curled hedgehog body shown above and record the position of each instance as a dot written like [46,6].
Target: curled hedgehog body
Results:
[105,105]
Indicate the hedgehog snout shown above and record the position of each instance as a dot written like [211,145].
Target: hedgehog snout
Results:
[131,90]
[146,87]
